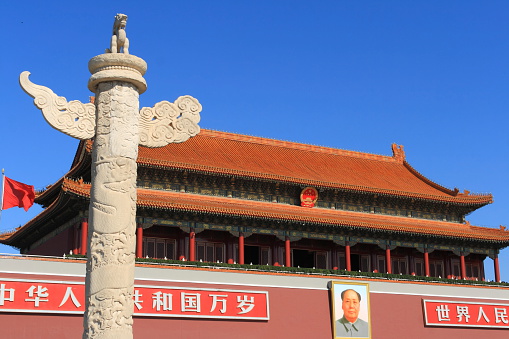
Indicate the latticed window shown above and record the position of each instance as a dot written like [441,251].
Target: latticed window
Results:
[210,251]
[473,270]
[456,270]
[342,262]
[436,268]
[419,267]
[359,262]
[399,265]
[159,248]
[321,260]
[257,255]
[365,263]
[264,255]
[381,264]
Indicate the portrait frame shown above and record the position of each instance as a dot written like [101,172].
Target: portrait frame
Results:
[362,289]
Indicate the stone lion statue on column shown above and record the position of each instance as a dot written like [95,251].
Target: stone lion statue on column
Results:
[119,41]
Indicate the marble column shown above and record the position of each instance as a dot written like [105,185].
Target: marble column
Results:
[117,126]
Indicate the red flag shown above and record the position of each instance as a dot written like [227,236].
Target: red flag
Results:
[17,194]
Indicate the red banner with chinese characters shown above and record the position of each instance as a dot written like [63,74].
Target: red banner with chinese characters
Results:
[40,296]
[465,314]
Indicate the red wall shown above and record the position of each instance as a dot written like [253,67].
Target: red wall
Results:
[294,313]
[57,245]
[401,317]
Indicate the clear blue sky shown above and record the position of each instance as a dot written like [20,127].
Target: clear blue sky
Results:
[355,75]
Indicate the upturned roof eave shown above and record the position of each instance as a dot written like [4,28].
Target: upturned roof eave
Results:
[501,243]
[81,163]
[70,187]
[15,238]
[83,192]
[475,201]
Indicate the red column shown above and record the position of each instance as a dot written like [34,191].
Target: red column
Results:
[388,260]
[84,233]
[497,269]
[241,248]
[192,245]
[463,267]
[348,259]
[287,252]
[139,242]
[426,263]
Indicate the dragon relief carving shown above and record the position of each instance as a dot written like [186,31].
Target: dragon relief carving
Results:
[107,311]
[122,171]
[73,118]
[114,190]
[111,249]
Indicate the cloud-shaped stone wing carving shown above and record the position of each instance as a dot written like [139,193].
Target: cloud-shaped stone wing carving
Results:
[73,118]
[169,122]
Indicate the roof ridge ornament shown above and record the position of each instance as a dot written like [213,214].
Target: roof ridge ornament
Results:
[464,193]
[398,152]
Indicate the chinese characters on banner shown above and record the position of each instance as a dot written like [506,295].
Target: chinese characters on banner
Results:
[68,297]
[465,314]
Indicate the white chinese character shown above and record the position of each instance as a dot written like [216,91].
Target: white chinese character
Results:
[3,297]
[41,293]
[246,304]
[190,302]
[216,299]
[481,313]
[137,301]
[162,299]
[462,312]
[443,313]
[70,294]
[501,315]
